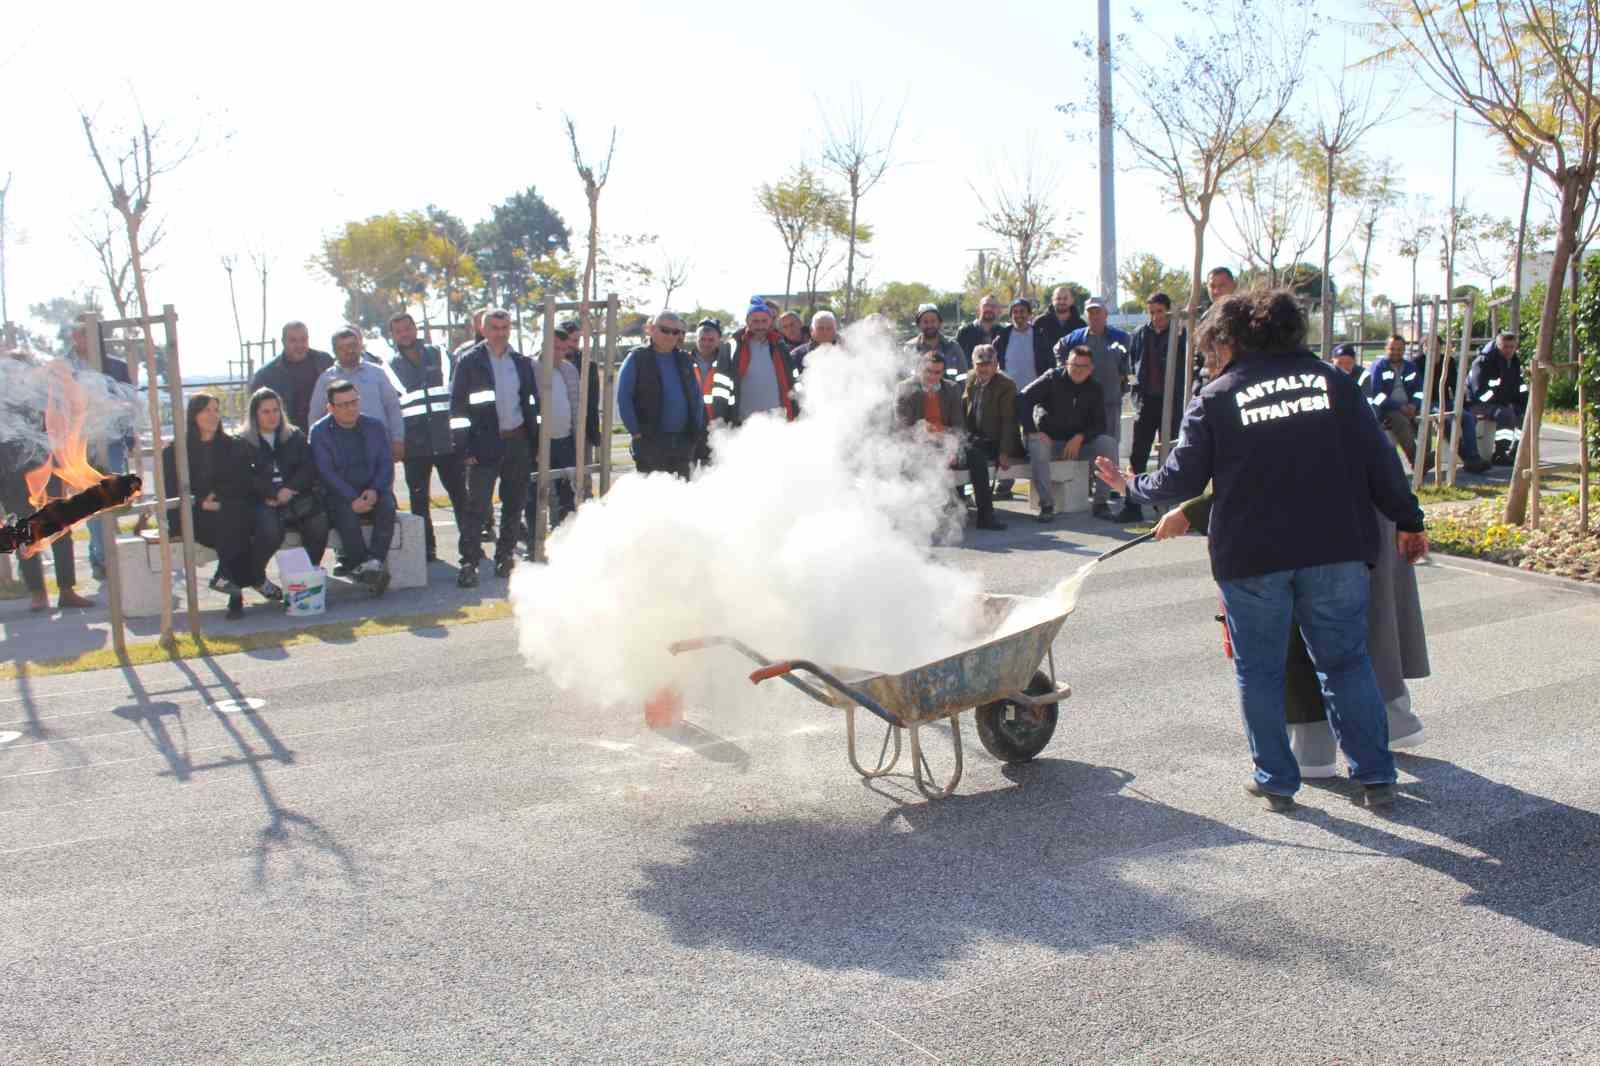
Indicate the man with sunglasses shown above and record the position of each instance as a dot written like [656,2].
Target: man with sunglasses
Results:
[1063,416]
[660,402]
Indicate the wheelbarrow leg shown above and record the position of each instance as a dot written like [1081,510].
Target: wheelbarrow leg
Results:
[919,762]
[883,751]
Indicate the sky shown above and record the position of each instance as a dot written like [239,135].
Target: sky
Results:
[306,116]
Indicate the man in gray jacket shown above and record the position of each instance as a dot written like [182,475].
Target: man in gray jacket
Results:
[378,397]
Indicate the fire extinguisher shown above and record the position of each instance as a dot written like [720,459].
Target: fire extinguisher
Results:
[1227,638]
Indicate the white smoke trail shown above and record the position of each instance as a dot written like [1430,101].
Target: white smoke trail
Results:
[804,540]
[110,408]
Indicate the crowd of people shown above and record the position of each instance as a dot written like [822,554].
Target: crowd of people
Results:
[324,432]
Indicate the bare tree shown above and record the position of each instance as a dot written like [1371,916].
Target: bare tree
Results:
[796,206]
[132,192]
[262,263]
[1413,231]
[674,272]
[1270,206]
[116,266]
[1248,55]
[1525,69]
[228,262]
[1352,116]
[1020,213]
[594,180]
[1377,197]
[852,149]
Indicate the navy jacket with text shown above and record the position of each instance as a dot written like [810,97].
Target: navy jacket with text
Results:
[1297,462]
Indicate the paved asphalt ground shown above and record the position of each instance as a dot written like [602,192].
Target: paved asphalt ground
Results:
[416,850]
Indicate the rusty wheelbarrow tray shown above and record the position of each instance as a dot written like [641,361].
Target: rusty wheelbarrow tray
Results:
[1000,680]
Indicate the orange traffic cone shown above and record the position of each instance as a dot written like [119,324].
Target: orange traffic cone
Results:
[664,709]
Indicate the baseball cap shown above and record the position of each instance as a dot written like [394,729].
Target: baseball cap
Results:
[1346,349]
[1094,301]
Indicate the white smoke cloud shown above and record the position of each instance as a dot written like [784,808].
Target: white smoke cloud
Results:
[110,407]
[804,540]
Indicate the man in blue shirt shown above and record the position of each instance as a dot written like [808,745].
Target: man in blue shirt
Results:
[356,464]
[661,404]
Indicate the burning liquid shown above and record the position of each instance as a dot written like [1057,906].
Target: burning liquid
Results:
[66,456]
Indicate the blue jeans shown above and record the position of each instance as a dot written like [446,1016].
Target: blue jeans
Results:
[1329,604]
[116,463]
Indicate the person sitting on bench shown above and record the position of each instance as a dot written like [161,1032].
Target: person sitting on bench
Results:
[356,466]
[1063,416]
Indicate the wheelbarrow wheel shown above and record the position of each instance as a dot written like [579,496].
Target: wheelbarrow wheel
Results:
[1014,733]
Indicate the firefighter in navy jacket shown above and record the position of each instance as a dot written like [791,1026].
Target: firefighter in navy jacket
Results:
[494,390]
[1296,460]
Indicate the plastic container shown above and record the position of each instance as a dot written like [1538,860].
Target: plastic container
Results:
[306,593]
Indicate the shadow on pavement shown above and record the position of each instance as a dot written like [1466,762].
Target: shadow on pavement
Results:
[913,895]
[1521,867]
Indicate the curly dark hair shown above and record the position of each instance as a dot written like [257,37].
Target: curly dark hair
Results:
[1263,321]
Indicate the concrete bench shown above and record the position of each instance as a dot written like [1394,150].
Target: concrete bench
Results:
[1069,485]
[408,552]
[139,570]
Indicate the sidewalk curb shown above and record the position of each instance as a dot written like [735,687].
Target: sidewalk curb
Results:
[1532,577]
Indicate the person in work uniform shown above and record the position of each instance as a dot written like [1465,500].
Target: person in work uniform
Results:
[432,433]
[659,401]
[757,373]
[494,389]
[565,428]
[1297,461]
[1495,389]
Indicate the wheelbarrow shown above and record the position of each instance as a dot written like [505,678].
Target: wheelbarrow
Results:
[1013,700]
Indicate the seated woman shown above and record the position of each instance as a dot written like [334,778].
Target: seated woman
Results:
[287,496]
[221,490]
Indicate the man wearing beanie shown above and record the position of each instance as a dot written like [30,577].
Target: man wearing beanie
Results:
[758,371]
[929,338]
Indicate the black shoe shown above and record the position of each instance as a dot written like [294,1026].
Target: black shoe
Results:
[990,522]
[1503,455]
[1004,494]
[467,577]
[503,567]
[1275,800]
[343,569]
[1131,512]
[1478,466]
[377,581]
[1382,795]
[1103,510]
[236,605]
[1045,514]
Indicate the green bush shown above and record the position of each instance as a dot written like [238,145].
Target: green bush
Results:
[1563,394]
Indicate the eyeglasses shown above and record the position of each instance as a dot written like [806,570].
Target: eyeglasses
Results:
[347,403]
[985,362]
[669,332]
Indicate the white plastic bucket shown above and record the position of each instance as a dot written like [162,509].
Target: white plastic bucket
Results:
[306,593]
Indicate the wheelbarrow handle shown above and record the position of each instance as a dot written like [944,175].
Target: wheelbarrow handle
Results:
[767,673]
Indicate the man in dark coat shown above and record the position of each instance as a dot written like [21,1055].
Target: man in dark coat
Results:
[293,376]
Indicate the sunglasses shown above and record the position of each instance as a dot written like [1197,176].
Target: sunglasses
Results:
[669,332]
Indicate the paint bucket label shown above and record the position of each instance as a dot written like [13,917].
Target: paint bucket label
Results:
[306,593]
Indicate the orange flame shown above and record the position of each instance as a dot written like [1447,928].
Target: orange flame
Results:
[66,408]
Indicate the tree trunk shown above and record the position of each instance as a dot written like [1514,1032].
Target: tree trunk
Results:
[157,475]
[1366,265]
[1539,376]
[1327,262]
[1194,296]
[850,256]
[1522,242]
[788,280]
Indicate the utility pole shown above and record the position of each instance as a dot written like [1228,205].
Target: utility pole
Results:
[1108,209]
